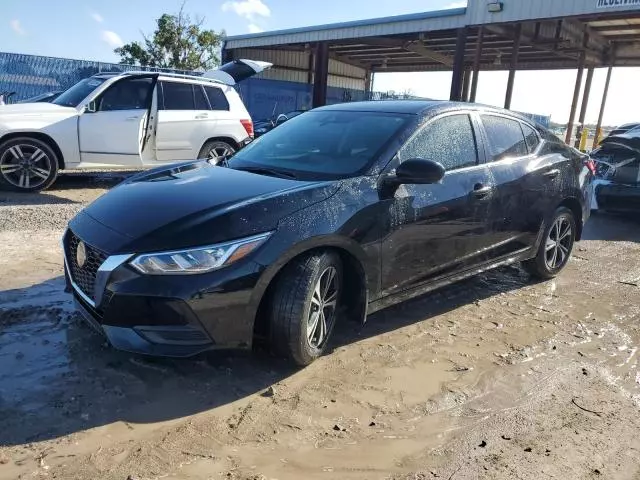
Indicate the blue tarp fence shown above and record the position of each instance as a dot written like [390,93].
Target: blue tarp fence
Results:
[31,75]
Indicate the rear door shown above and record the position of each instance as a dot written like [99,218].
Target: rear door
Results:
[185,120]
[436,230]
[525,182]
[115,133]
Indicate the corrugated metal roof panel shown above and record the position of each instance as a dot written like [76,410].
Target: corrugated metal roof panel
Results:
[419,22]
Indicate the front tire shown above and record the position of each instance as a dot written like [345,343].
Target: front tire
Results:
[27,165]
[555,250]
[304,307]
[216,151]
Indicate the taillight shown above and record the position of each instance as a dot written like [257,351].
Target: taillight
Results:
[591,165]
[248,126]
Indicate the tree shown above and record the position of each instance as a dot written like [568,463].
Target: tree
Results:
[176,43]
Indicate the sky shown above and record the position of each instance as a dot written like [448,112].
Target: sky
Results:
[91,29]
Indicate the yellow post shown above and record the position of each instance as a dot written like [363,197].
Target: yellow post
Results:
[583,139]
[596,139]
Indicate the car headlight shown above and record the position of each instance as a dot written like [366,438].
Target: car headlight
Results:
[197,260]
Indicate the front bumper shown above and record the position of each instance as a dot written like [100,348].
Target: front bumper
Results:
[617,197]
[177,316]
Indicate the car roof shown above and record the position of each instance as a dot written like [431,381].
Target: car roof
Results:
[421,107]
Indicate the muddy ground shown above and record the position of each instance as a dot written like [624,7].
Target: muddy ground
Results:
[497,377]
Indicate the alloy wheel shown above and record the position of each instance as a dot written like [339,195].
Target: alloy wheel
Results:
[558,243]
[323,308]
[219,154]
[25,166]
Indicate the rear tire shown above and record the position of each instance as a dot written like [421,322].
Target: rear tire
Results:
[216,150]
[556,247]
[304,307]
[27,165]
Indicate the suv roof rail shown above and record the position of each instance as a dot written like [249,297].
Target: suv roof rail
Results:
[164,74]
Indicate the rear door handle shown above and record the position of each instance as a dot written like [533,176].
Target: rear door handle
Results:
[200,116]
[551,173]
[131,119]
[481,191]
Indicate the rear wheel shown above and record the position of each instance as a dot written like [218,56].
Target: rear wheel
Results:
[216,151]
[27,165]
[304,306]
[555,250]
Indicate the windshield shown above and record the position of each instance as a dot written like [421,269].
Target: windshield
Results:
[322,145]
[73,96]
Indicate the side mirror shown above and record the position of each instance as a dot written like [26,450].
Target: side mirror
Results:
[91,107]
[419,171]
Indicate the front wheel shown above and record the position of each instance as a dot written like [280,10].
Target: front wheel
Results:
[304,306]
[555,250]
[27,165]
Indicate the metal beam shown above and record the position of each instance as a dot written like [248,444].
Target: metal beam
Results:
[347,60]
[466,83]
[425,52]
[513,66]
[574,101]
[476,64]
[585,102]
[604,100]
[458,65]
[321,74]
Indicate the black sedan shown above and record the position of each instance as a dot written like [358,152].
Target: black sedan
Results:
[335,214]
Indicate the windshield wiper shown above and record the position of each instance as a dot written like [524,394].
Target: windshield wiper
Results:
[267,171]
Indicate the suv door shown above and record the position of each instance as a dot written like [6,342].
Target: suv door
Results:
[524,182]
[436,230]
[185,121]
[114,130]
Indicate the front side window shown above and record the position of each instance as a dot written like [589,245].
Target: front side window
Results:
[448,140]
[505,137]
[531,137]
[178,96]
[127,94]
[322,145]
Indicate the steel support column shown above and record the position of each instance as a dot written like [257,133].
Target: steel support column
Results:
[476,65]
[321,75]
[368,81]
[513,66]
[458,65]
[583,108]
[604,102]
[466,83]
[574,101]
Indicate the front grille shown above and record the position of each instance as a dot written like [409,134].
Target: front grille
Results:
[84,277]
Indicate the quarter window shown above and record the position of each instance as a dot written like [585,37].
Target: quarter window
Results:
[178,96]
[505,137]
[531,137]
[448,140]
[217,98]
[201,101]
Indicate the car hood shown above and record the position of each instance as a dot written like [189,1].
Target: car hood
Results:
[36,109]
[196,204]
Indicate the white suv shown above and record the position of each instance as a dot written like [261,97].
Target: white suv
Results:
[133,119]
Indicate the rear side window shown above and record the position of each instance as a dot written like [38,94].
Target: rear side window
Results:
[505,137]
[178,96]
[200,99]
[217,98]
[448,140]
[531,137]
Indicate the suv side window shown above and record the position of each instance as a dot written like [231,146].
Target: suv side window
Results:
[217,98]
[178,96]
[449,140]
[531,137]
[505,137]
[127,94]
[201,101]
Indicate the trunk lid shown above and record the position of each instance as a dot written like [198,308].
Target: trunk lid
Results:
[238,70]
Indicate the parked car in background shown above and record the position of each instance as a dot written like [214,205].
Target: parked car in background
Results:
[336,213]
[263,126]
[47,97]
[617,185]
[624,128]
[132,119]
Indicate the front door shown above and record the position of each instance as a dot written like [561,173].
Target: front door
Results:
[115,130]
[434,230]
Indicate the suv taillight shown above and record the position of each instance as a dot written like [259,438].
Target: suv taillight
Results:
[248,126]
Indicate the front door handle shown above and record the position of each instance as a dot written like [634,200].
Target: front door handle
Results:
[480,190]
[131,119]
[201,116]
[551,173]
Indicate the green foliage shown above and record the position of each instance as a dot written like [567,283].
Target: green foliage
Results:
[177,43]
